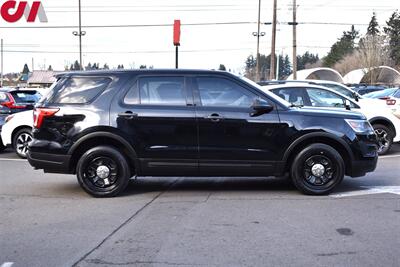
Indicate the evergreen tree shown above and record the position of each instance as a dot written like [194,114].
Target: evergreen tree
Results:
[77,66]
[373,28]
[344,46]
[393,32]
[26,69]
[106,67]
[50,68]
[306,59]
[222,67]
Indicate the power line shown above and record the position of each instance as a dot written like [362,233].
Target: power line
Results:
[128,25]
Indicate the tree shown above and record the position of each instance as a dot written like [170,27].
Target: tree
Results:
[26,69]
[305,60]
[344,46]
[50,68]
[106,67]
[120,67]
[373,28]
[77,66]
[89,66]
[265,65]
[222,67]
[143,67]
[393,33]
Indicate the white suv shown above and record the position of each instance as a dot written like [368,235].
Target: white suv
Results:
[386,125]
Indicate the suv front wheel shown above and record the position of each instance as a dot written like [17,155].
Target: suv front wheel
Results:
[317,169]
[103,172]
[385,138]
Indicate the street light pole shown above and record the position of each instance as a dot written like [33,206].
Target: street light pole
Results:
[294,24]
[258,41]
[80,34]
[272,69]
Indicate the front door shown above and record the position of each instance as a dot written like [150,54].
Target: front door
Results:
[231,141]
[158,117]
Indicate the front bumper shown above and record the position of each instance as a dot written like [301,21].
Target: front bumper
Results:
[50,163]
[360,168]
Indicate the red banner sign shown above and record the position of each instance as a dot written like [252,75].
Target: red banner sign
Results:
[177,32]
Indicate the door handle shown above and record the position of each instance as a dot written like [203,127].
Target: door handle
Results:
[128,115]
[214,118]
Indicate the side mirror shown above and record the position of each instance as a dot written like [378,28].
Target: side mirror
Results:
[261,107]
[355,96]
[347,104]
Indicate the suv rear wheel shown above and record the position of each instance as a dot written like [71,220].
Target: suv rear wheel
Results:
[103,172]
[317,169]
[385,138]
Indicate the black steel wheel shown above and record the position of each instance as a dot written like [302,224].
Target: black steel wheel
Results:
[385,138]
[21,141]
[103,171]
[317,169]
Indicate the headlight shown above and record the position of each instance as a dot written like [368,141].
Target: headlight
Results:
[360,126]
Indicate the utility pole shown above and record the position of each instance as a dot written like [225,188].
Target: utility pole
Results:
[2,55]
[80,34]
[272,69]
[294,40]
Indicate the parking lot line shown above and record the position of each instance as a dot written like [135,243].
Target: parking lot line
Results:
[7,264]
[388,157]
[5,159]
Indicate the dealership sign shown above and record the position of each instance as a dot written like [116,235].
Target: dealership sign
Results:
[13,11]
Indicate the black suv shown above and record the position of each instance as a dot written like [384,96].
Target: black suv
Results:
[13,100]
[109,126]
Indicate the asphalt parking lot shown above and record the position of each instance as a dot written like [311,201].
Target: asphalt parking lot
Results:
[47,220]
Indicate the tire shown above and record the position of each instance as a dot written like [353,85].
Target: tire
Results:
[2,147]
[103,172]
[385,138]
[317,169]
[21,141]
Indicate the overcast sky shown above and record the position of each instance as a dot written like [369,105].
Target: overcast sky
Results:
[202,46]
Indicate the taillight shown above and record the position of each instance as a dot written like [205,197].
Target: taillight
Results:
[11,103]
[39,114]
[391,102]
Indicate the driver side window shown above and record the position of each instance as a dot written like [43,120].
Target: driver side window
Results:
[219,92]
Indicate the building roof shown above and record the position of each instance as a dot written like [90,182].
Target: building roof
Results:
[42,77]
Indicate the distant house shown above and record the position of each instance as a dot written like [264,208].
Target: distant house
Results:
[41,78]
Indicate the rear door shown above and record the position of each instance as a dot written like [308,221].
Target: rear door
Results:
[231,141]
[157,115]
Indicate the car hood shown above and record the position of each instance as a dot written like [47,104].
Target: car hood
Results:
[329,112]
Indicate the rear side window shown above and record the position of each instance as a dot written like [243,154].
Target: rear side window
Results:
[168,91]
[80,90]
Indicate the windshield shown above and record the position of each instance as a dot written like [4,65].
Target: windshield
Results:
[26,96]
[384,93]
[270,94]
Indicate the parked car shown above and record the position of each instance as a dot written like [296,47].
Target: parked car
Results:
[392,98]
[109,126]
[385,124]
[365,89]
[338,87]
[15,100]
[17,132]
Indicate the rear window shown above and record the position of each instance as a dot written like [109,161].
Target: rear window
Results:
[26,96]
[80,90]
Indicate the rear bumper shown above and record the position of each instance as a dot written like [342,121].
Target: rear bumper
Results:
[50,163]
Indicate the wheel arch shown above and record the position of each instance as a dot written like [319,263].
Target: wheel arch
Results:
[384,121]
[91,140]
[324,138]
[16,130]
